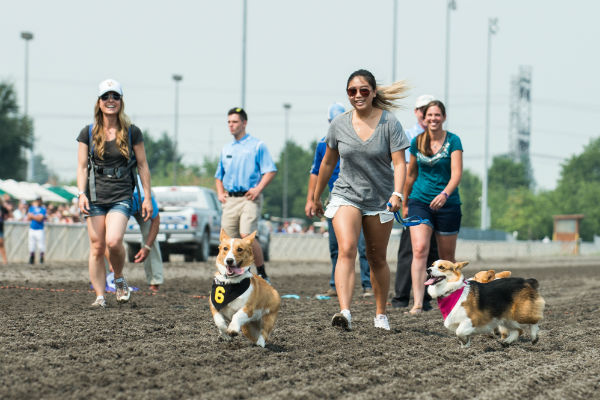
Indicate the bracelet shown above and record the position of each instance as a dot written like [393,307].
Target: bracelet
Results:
[399,195]
[147,247]
[445,194]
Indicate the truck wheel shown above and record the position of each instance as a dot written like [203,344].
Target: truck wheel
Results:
[203,250]
[132,250]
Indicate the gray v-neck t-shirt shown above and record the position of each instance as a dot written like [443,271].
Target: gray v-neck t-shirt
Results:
[366,174]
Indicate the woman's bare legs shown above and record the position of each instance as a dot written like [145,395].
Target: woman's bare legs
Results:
[377,236]
[420,236]
[97,233]
[347,225]
[116,223]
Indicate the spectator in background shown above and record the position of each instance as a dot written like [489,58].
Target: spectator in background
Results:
[365,272]
[434,172]
[4,215]
[20,214]
[403,276]
[244,171]
[37,240]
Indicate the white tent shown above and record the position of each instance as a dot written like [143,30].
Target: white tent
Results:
[29,191]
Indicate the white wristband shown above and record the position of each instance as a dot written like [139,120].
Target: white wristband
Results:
[399,195]
[147,247]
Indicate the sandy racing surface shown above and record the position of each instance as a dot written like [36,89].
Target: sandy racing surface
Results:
[166,346]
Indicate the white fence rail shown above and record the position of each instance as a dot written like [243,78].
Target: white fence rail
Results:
[70,243]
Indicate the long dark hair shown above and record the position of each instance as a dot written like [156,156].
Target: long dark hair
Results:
[385,96]
[424,139]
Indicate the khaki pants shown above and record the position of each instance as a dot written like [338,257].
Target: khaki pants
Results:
[153,265]
[240,215]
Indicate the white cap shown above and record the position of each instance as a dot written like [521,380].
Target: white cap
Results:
[423,100]
[109,85]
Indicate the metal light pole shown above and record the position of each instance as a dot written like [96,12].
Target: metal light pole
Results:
[485,222]
[177,78]
[394,40]
[27,36]
[244,28]
[451,6]
[284,208]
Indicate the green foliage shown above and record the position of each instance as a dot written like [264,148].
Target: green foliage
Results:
[578,189]
[470,196]
[16,132]
[506,174]
[300,161]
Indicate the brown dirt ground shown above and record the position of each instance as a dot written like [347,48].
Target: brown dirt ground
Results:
[166,346]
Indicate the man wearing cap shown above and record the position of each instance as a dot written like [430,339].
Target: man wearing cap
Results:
[244,171]
[403,282]
[37,240]
[365,272]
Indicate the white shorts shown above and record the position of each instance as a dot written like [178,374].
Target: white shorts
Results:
[37,239]
[336,202]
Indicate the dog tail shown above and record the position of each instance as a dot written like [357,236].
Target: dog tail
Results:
[533,283]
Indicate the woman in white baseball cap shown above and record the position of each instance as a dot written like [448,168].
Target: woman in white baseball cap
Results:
[109,151]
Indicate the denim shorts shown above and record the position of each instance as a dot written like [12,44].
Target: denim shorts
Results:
[123,206]
[445,221]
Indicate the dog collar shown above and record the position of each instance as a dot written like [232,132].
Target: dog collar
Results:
[447,303]
[223,293]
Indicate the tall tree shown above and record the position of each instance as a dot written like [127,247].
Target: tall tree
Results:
[300,161]
[15,132]
[578,189]
[470,196]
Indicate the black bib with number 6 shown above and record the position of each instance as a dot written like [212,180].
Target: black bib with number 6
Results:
[222,294]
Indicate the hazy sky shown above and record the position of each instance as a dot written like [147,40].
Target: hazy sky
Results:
[302,52]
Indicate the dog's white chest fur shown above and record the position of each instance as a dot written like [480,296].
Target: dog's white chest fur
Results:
[237,304]
[458,313]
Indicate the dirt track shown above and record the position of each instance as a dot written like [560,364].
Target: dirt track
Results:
[166,346]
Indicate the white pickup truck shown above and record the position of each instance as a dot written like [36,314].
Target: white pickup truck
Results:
[190,224]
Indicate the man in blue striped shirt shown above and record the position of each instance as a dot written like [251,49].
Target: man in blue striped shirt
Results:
[244,171]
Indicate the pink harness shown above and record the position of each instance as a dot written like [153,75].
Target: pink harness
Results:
[447,303]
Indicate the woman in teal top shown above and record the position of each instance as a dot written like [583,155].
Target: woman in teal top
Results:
[434,172]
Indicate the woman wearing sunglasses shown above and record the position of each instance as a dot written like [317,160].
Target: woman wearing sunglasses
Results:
[109,150]
[366,140]
[434,172]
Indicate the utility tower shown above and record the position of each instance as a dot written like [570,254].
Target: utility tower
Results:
[520,118]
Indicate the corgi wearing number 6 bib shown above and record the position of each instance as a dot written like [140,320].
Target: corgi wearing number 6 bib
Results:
[239,300]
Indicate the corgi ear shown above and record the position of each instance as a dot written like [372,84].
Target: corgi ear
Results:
[223,235]
[503,274]
[492,272]
[461,265]
[250,237]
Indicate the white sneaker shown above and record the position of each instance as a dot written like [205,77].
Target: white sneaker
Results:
[381,321]
[99,303]
[122,290]
[342,320]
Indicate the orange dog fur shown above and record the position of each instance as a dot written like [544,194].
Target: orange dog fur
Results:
[253,304]
[490,275]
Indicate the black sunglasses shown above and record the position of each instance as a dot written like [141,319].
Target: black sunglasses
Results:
[115,96]
[364,92]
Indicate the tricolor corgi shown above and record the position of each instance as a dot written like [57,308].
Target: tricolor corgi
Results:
[470,307]
[239,300]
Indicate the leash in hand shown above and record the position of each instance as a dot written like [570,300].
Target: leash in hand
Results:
[408,221]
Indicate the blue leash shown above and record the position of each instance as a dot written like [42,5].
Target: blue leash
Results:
[409,221]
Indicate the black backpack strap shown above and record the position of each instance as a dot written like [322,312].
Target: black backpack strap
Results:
[132,165]
[91,165]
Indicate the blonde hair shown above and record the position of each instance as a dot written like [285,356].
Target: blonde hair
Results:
[385,96]
[98,131]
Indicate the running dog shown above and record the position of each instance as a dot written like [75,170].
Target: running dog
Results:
[239,300]
[490,275]
[470,307]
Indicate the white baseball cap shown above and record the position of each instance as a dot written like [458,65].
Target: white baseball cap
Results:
[109,85]
[423,100]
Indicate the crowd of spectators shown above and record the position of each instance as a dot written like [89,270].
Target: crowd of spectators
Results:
[56,213]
